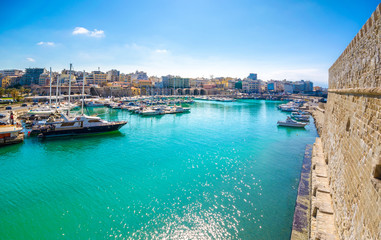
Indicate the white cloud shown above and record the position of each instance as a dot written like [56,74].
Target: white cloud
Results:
[30,59]
[80,30]
[97,33]
[46,43]
[83,31]
[161,51]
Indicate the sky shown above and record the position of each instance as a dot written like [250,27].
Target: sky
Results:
[289,39]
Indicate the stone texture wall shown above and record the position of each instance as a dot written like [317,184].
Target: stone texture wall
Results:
[352,134]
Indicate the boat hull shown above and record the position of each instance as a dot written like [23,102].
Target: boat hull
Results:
[80,131]
[282,124]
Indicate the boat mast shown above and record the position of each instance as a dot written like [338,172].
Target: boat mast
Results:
[83,90]
[69,83]
[50,90]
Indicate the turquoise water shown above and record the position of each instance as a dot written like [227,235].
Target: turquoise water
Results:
[223,171]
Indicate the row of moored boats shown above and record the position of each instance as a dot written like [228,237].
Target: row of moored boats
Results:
[297,118]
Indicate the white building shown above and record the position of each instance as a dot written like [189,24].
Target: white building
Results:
[251,86]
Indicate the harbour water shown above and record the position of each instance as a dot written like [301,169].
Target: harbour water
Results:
[223,171]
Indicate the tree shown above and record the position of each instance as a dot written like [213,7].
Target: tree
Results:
[2,91]
[8,91]
[27,91]
[15,94]
[22,90]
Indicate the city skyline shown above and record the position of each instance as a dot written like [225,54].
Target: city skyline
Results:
[289,40]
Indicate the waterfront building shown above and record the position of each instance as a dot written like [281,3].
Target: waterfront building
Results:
[32,76]
[271,86]
[302,87]
[113,75]
[135,91]
[308,86]
[231,84]
[11,72]
[195,82]
[135,77]
[159,84]
[44,79]
[209,85]
[251,86]
[64,79]
[97,72]
[5,81]
[144,83]
[275,86]
[288,88]
[154,79]
[175,82]
[238,84]
[252,76]
[99,78]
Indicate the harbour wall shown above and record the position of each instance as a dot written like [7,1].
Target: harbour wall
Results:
[351,135]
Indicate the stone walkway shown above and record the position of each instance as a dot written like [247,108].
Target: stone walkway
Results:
[322,213]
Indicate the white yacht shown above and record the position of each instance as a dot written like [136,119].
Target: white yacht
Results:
[291,123]
[78,125]
[152,111]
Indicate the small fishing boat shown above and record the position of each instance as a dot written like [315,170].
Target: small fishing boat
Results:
[291,123]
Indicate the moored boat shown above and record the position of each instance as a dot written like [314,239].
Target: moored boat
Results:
[79,125]
[10,134]
[291,123]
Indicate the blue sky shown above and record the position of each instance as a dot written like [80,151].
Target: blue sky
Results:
[277,39]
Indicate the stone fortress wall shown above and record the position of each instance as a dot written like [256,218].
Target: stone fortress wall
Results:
[351,136]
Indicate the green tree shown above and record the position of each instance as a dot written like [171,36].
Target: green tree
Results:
[8,91]
[15,94]
[22,90]
[2,91]
[27,91]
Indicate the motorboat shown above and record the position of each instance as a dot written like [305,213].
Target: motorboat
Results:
[94,104]
[301,118]
[177,109]
[291,123]
[152,111]
[43,111]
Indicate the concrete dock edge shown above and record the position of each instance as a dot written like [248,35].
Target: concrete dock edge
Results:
[301,222]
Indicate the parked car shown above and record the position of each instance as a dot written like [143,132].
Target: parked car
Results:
[35,103]
[24,105]
[8,108]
